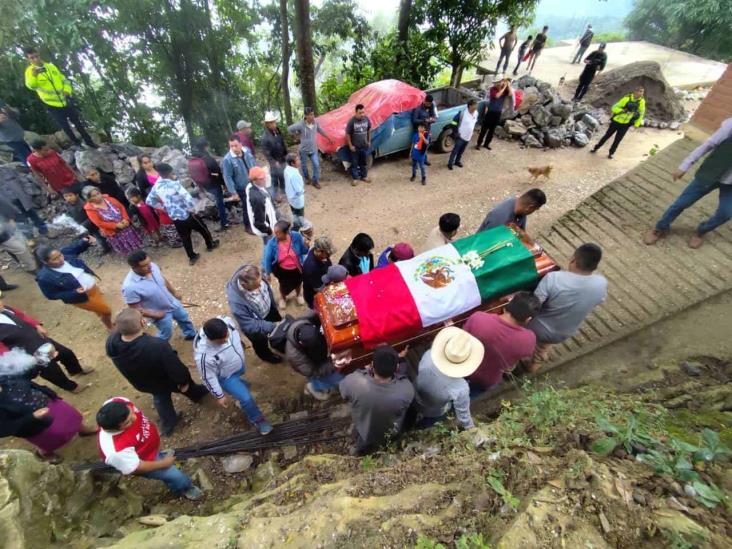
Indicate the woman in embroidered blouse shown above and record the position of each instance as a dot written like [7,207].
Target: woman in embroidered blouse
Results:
[112,219]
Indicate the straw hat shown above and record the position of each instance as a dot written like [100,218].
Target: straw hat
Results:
[456,353]
[269,116]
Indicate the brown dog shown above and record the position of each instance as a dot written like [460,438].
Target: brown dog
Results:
[546,171]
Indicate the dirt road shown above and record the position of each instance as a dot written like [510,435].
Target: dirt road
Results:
[391,209]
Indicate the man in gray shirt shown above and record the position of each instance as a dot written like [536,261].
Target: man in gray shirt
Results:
[440,383]
[146,289]
[379,399]
[567,298]
[307,129]
[514,210]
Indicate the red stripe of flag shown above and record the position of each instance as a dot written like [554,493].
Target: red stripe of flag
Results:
[385,307]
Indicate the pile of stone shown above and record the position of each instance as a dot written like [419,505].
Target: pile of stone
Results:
[544,119]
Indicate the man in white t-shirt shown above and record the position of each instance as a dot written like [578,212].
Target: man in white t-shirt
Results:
[129,442]
[465,122]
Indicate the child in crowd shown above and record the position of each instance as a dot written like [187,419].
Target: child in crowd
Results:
[420,142]
[145,215]
[156,222]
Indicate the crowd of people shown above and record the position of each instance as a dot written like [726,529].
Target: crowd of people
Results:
[385,398]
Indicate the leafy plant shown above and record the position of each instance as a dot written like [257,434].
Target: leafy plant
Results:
[495,482]
[471,541]
[368,463]
[709,494]
[713,448]
[427,543]
[677,540]
[632,432]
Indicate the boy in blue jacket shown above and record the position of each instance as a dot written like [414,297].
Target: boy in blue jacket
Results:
[420,143]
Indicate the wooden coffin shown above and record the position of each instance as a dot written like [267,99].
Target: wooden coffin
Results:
[340,321]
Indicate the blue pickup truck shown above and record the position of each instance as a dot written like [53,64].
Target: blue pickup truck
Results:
[395,133]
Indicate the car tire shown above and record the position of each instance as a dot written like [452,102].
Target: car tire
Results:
[445,142]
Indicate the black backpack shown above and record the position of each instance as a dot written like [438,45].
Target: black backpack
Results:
[278,336]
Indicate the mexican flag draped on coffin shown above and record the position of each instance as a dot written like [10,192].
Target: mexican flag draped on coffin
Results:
[400,299]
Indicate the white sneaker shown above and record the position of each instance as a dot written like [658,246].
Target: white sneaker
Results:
[317,395]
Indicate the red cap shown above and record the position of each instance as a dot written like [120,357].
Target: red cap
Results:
[257,173]
[402,251]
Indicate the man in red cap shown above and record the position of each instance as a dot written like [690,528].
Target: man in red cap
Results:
[260,208]
[399,252]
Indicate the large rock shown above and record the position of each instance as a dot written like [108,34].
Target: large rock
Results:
[123,172]
[515,128]
[580,139]
[532,142]
[561,109]
[87,159]
[590,121]
[527,121]
[237,463]
[554,138]
[542,117]
[43,504]
[177,160]
[125,150]
[531,97]
[501,133]
[661,101]
[525,81]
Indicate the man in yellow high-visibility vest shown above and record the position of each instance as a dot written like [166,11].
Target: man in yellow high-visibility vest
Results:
[54,90]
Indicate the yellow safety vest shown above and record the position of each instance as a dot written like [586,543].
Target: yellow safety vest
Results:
[51,86]
[623,114]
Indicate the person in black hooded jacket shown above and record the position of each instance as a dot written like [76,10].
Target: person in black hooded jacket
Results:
[358,259]
[152,366]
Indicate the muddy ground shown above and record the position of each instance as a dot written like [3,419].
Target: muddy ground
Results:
[390,209]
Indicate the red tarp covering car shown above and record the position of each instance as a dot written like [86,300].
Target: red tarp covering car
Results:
[381,99]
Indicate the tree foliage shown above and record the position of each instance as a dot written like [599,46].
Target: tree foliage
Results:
[163,71]
[701,27]
[465,26]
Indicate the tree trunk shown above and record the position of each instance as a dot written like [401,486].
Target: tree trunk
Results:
[405,8]
[304,39]
[285,84]
[457,74]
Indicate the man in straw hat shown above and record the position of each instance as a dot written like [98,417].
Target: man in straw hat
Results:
[505,340]
[275,150]
[454,355]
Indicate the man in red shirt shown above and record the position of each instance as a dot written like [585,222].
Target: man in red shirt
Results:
[505,340]
[50,168]
[130,443]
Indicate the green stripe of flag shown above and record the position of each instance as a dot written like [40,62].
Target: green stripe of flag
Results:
[508,269]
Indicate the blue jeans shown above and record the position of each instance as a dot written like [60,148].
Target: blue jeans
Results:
[326,383]
[175,479]
[419,162]
[315,159]
[165,324]
[238,388]
[359,163]
[457,153]
[693,192]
